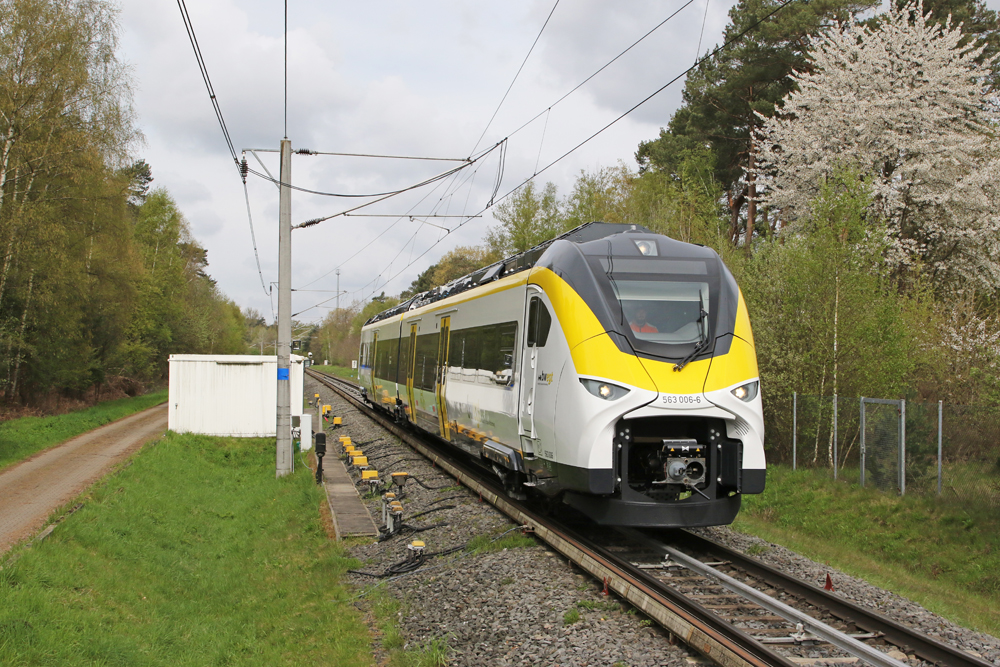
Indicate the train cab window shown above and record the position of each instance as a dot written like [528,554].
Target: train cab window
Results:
[665,312]
[539,323]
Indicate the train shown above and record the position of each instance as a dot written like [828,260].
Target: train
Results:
[611,369]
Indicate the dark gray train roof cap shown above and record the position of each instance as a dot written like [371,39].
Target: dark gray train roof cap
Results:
[585,233]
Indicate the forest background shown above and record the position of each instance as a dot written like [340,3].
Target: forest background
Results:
[842,163]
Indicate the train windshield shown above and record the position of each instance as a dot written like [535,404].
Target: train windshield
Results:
[665,311]
[666,304]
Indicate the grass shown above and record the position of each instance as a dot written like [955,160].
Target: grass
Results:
[20,438]
[192,555]
[943,554]
[339,371]
[489,543]
[571,617]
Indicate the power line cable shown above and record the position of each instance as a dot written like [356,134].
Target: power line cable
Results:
[189,27]
[240,167]
[528,55]
[687,71]
[704,19]
[253,238]
[602,68]
[383,196]
[377,237]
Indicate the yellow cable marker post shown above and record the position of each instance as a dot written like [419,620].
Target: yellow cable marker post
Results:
[359,461]
[369,474]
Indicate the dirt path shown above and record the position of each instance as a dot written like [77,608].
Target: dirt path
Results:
[31,490]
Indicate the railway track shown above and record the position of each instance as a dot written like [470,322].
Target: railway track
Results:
[720,602]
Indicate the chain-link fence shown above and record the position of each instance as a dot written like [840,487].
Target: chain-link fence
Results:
[893,445]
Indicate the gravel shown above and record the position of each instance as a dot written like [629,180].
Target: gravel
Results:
[516,606]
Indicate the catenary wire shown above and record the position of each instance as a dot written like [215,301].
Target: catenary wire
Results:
[203,68]
[445,174]
[253,238]
[711,54]
[528,55]
[704,20]
[601,69]
[385,231]
[189,27]
[548,110]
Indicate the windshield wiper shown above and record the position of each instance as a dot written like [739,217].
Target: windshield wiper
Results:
[703,339]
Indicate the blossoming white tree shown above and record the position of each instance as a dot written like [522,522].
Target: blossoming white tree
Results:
[905,104]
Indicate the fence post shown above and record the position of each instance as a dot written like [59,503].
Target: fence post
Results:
[902,447]
[835,437]
[795,426]
[862,442]
[940,414]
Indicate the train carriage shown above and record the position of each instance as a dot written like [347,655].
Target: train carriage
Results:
[611,368]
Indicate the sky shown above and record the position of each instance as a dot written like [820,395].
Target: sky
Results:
[416,79]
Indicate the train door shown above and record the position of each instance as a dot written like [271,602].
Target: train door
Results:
[536,376]
[373,360]
[442,377]
[411,362]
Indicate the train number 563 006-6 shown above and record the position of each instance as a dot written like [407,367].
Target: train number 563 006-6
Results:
[682,399]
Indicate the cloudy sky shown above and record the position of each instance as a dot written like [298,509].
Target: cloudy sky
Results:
[396,78]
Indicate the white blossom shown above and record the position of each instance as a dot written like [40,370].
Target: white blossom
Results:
[907,105]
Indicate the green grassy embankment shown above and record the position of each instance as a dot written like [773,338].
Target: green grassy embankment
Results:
[192,555]
[938,552]
[20,438]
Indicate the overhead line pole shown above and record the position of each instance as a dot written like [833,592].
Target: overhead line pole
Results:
[283,459]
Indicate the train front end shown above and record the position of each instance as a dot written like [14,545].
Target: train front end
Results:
[658,420]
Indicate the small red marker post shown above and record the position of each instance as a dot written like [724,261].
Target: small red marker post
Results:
[605,591]
[828,586]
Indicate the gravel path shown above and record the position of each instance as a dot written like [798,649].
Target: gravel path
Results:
[528,605]
[35,488]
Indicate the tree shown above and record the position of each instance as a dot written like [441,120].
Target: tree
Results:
[727,95]
[526,218]
[980,27]
[905,103]
[598,196]
[461,261]
[827,318]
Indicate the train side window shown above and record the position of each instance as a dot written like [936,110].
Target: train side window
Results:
[539,323]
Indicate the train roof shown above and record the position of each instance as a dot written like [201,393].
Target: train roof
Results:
[591,231]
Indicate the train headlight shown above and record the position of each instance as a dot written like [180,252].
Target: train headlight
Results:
[747,392]
[605,390]
[647,248]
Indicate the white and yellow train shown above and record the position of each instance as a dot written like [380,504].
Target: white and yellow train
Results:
[612,368]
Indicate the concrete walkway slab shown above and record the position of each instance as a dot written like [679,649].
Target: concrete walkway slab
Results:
[350,516]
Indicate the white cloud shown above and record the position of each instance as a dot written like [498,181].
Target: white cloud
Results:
[400,78]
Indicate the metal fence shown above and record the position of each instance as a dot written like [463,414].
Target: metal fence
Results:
[895,445]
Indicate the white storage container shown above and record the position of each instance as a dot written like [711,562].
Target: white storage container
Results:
[228,394]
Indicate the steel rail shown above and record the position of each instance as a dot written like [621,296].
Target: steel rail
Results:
[696,626]
[909,640]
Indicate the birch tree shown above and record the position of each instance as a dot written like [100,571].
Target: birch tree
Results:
[906,104]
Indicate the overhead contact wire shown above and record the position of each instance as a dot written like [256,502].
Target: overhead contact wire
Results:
[715,51]
[523,63]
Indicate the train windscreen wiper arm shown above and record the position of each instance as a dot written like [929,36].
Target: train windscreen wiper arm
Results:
[702,339]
